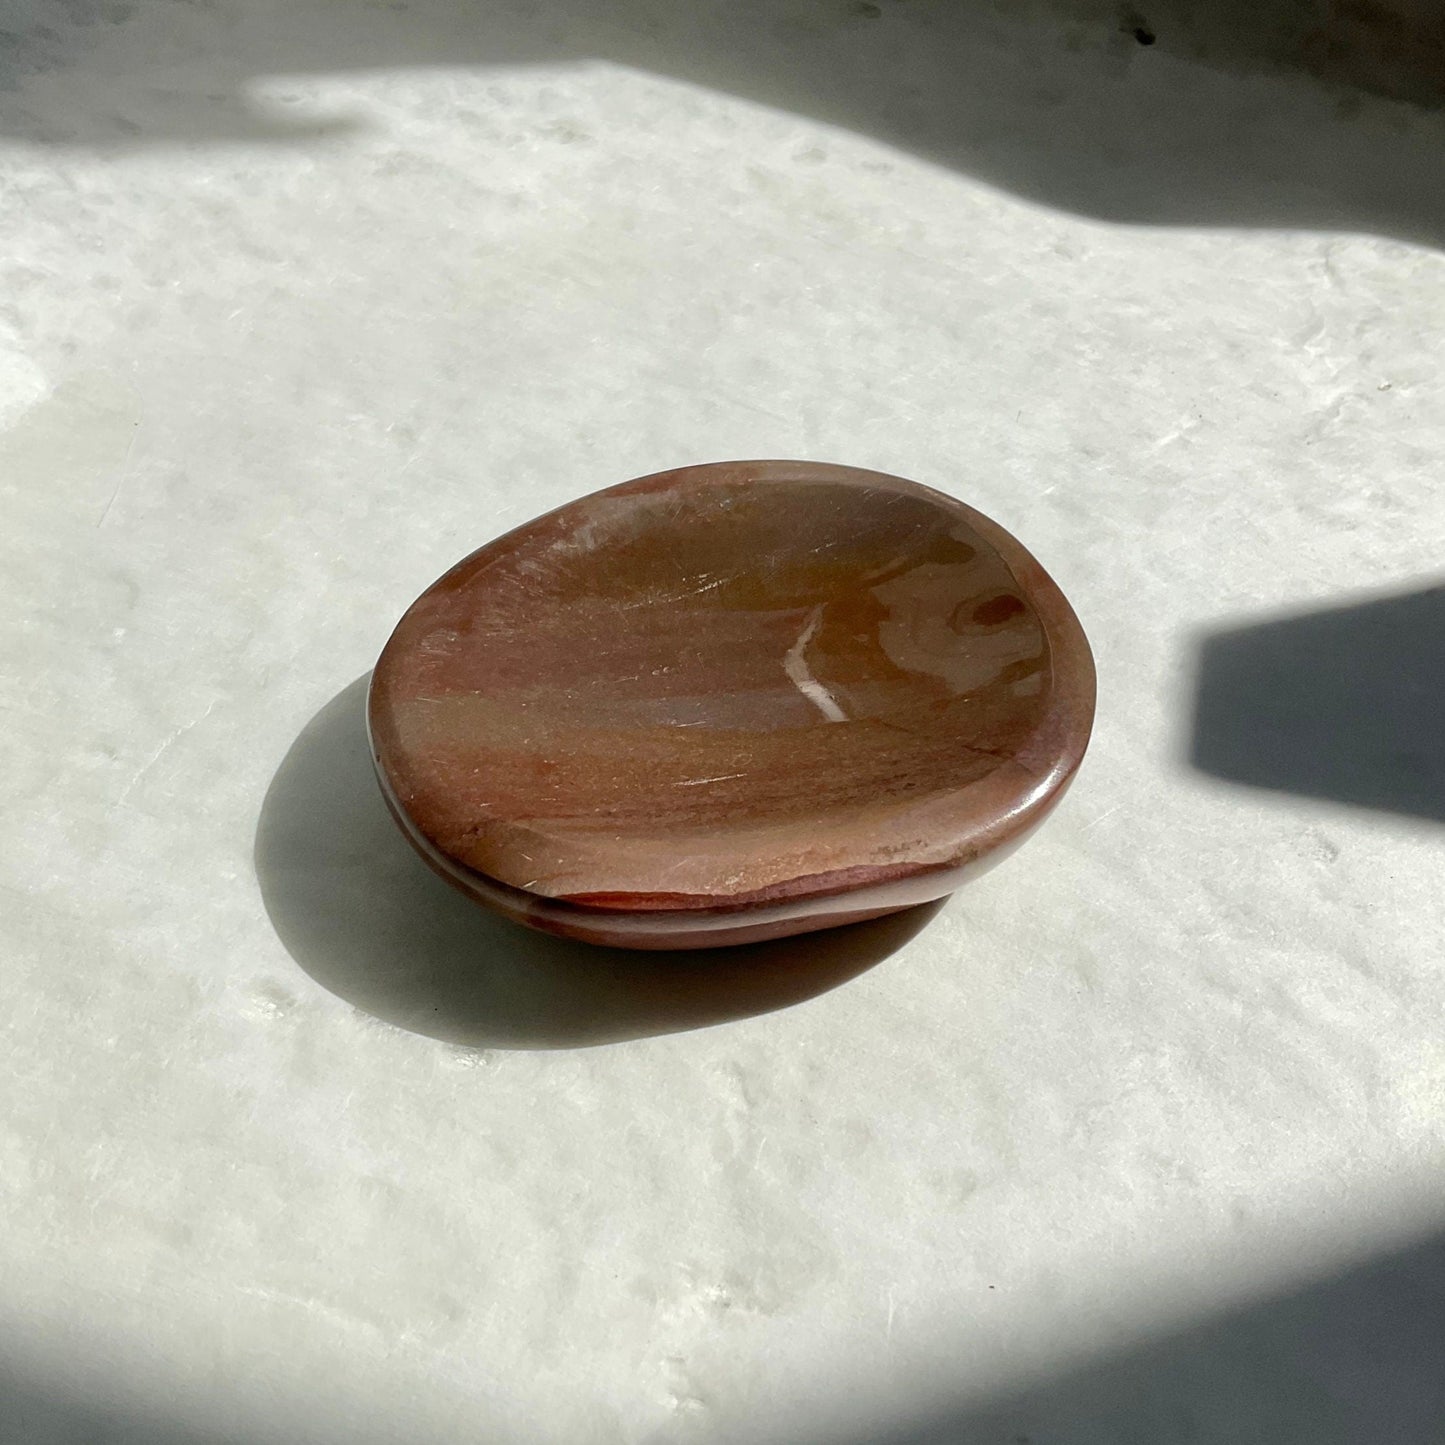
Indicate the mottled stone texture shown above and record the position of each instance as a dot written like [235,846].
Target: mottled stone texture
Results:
[731,701]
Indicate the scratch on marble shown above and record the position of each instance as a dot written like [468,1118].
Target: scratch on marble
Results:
[1187,423]
[698,782]
[160,752]
[795,664]
[120,480]
[340,1315]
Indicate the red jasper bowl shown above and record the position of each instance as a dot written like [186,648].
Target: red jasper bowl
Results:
[729,703]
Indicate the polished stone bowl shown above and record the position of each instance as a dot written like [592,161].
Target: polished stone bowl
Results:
[731,702]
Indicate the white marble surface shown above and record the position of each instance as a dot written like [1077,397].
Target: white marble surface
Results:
[1139,1139]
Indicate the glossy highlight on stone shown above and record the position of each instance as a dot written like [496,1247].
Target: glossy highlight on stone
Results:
[731,702]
